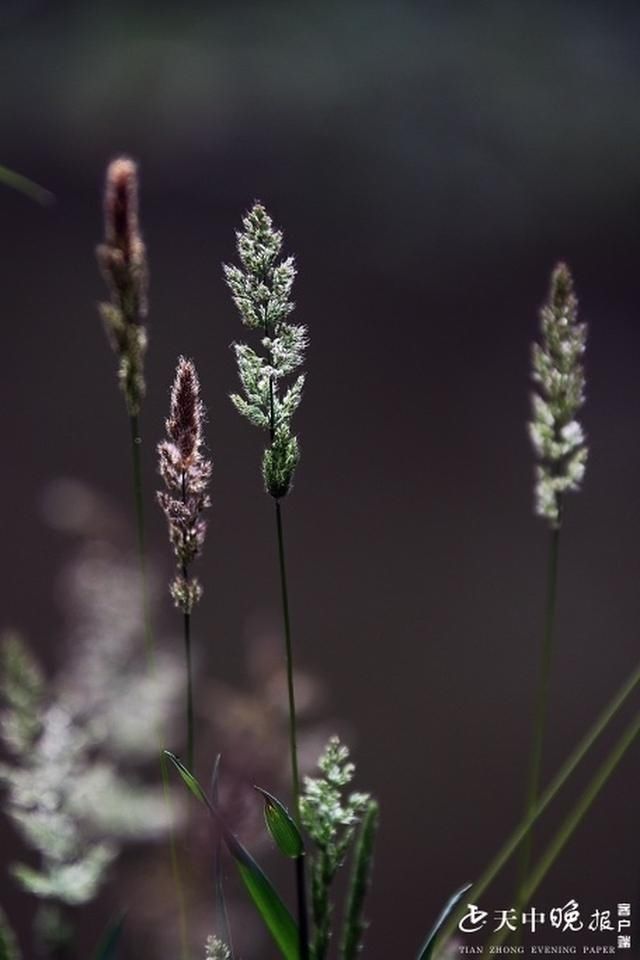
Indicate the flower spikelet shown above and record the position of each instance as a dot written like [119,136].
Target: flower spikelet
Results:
[216,949]
[329,815]
[123,262]
[557,436]
[186,473]
[261,291]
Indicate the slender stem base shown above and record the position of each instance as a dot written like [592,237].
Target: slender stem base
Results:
[542,703]
[138,499]
[303,910]
[190,723]
[303,922]
[293,744]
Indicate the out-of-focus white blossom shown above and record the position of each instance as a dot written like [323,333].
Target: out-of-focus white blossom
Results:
[215,949]
[70,785]
[327,812]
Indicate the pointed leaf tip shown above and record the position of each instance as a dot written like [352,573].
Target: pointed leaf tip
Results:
[266,899]
[281,825]
[188,778]
[427,947]
[274,913]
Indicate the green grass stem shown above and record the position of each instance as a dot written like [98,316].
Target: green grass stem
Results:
[541,707]
[301,886]
[574,818]
[190,722]
[573,760]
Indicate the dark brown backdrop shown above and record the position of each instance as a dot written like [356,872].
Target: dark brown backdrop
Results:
[429,162]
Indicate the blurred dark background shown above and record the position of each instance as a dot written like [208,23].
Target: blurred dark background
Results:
[428,162]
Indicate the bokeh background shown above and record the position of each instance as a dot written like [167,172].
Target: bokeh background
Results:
[429,162]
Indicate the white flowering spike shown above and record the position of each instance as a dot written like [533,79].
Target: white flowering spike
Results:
[261,292]
[331,816]
[216,949]
[557,437]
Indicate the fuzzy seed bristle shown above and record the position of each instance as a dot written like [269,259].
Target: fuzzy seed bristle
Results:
[186,473]
[122,260]
[121,204]
[558,372]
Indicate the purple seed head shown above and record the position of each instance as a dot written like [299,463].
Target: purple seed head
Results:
[186,473]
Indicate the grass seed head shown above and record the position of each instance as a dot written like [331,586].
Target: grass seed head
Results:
[186,472]
[557,437]
[261,290]
[122,260]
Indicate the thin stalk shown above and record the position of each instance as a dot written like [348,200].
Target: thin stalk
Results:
[190,724]
[293,737]
[303,914]
[138,498]
[542,704]
[573,760]
[573,819]
[301,887]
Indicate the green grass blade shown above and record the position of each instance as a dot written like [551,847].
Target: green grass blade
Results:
[108,949]
[281,826]
[30,189]
[274,913]
[451,904]
[188,778]
[573,760]
[577,814]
